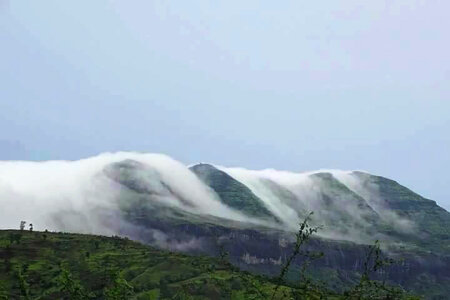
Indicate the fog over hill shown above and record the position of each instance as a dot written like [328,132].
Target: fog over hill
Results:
[75,195]
[195,209]
[99,194]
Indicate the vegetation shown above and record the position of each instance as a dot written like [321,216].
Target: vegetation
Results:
[45,265]
[373,289]
[411,227]
[302,236]
[232,192]
[76,266]
[432,220]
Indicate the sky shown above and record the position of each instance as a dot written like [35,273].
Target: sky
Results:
[290,85]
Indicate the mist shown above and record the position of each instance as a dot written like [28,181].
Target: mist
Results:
[83,196]
[357,204]
[73,195]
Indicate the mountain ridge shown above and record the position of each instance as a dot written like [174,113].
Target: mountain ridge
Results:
[161,202]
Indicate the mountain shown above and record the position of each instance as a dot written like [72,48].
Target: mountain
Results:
[253,214]
[232,193]
[431,222]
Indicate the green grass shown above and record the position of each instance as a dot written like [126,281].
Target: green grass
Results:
[94,262]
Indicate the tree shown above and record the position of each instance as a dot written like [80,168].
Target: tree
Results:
[224,255]
[31,227]
[71,288]
[23,285]
[120,289]
[22,225]
[368,288]
[303,235]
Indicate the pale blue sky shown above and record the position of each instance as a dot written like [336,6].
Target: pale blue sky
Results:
[295,85]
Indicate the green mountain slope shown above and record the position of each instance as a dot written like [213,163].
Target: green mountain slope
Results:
[95,264]
[377,208]
[430,224]
[231,192]
[341,203]
[142,179]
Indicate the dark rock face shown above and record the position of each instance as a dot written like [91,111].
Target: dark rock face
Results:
[264,250]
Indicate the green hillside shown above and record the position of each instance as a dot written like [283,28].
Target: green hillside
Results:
[232,192]
[45,265]
[431,222]
[336,197]
[48,265]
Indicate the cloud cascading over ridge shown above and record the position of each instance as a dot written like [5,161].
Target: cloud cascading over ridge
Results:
[86,195]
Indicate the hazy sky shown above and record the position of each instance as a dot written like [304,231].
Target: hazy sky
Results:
[295,85]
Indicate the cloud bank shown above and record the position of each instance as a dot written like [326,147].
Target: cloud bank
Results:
[86,196]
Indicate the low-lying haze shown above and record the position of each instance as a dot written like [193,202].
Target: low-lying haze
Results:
[89,195]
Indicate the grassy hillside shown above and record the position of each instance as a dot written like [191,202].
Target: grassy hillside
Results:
[48,265]
[45,265]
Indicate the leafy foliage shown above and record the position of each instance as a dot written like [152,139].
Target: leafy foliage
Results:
[302,236]
[57,267]
[372,289]
[117,268]
[120,289]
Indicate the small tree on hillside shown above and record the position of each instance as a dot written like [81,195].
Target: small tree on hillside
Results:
[368,288]
[71,287]
[303,235]
[23,285]
[22,225]
[120,289]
